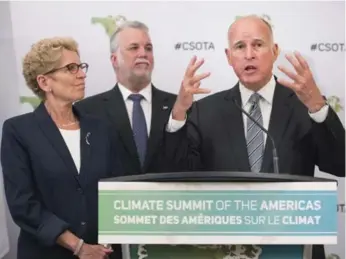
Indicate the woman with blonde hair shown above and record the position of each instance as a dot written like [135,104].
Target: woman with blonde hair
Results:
[53,157]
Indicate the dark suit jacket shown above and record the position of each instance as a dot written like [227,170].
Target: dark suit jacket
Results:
[44,191]
[213,138]
[110,106]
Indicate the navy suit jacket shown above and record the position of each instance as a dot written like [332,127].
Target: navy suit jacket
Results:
[44,191]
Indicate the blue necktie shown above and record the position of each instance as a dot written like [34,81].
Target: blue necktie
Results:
[255,136]
[139,126]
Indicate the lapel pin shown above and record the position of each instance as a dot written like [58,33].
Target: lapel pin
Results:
[87,138]
[164,107]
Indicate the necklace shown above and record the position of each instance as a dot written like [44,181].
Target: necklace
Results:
[68,124]
[61,124]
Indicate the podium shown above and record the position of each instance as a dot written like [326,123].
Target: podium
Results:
[190,215]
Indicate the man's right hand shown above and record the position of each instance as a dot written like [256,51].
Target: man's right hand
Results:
[189,87]
[94,252]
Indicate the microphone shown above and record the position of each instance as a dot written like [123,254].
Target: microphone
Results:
[275,155]
[87,138]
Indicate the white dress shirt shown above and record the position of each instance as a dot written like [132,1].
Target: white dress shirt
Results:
[145,103]
[266,102]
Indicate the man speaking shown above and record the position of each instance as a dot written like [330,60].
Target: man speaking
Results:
[226,131]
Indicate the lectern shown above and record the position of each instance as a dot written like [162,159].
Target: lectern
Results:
[219,215]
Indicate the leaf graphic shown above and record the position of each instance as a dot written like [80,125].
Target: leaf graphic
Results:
[333,256]
[32,100]
[109,23]
[334,102]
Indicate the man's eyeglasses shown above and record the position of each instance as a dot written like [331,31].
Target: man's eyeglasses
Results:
[73,68]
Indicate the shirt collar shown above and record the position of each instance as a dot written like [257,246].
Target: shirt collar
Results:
[146,92]
[266,92]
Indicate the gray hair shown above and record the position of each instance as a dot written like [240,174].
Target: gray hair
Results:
[127,24]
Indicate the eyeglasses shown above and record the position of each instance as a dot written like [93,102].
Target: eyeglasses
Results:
[73,68]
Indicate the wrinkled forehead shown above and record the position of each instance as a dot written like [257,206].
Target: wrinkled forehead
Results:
[131,36]
[249,30]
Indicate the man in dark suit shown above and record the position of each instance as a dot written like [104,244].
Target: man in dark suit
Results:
[214,135]
[136,110]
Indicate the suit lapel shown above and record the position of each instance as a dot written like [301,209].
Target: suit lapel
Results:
[53,135]
[233,121]
[117,113]
[160,113]
[281,114]
[86,139]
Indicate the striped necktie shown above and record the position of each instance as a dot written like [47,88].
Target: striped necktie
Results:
[255,136]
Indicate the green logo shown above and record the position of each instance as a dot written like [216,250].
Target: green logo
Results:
[333,256]
[334,102]
[109,23]
[32,100]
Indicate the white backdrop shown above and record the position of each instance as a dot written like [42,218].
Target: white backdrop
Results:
[297,26]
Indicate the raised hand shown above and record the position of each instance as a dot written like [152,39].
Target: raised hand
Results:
[303,83]
[189,87]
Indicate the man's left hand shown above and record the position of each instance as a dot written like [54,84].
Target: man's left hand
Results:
[303,83]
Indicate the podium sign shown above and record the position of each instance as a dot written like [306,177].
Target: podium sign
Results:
[225,218]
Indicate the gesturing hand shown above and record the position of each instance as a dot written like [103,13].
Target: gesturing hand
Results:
[303,83]
[189,87]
